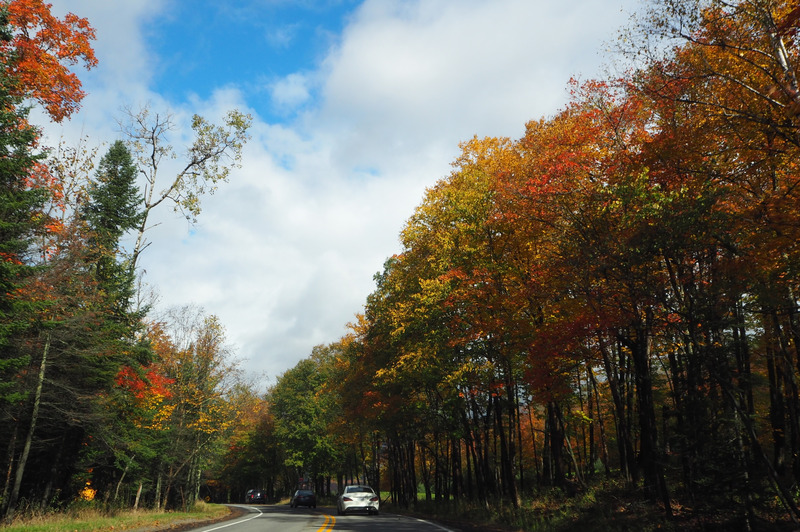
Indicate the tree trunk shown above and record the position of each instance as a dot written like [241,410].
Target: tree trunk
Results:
[14,497]
[167,488]
[792,402]
[10,469]
[508,485]
[556,432]
[776,413]
[650,457]
[624,439]
[376,455]
[600,423]
[56,463]
[457,477]
[568,444]
[122,477]
[157,498]
[426,476]
[536,470]
[138,496]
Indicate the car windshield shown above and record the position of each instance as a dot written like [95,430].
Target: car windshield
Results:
[304,492]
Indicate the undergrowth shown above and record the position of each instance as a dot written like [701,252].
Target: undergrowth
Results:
[608,506]
[93,518]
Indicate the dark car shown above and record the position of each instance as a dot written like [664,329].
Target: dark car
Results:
[304,498]
[255,496]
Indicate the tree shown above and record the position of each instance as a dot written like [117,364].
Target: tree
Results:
[725,103]
[113,208]
[304,411]
[38,50]
[142,405]
[253,454]
[194,355]
[203,167]
[19,224]
[35,50]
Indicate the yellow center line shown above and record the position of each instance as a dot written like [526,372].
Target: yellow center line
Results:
[328,525]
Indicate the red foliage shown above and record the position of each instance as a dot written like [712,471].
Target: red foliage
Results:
[141,386]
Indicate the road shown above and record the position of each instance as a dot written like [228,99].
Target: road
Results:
[281,518]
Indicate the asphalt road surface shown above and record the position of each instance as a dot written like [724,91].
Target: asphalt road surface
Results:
[282,518]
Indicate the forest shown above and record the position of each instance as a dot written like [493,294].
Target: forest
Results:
[607,302]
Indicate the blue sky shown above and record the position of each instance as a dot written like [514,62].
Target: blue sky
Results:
[358,106]
[248,45]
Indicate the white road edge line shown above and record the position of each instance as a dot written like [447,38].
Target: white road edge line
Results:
[237,521]
[440,527]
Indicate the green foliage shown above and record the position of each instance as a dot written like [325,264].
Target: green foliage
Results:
[19,223]
[114,202]
[207,161]
[305,411]
[90,401]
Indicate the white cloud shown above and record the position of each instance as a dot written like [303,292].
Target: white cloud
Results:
[413,79]
[290,92]
[126,65]
[284,254]
[282,36]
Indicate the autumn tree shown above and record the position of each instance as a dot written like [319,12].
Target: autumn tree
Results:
[19,204]
[630,262]
[39,49]
[195,356]
[362,406]
[141,404]
[214,150]
[254,455]
[36,50]
[725,100]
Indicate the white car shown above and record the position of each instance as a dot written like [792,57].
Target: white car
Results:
[361,498]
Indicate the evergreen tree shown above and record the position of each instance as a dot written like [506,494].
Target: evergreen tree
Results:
[20,208]
[114,207]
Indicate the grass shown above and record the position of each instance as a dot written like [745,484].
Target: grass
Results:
[94,520]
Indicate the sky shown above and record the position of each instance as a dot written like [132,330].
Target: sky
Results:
[358,106]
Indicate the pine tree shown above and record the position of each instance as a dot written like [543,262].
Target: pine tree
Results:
[113,208]
[20,208]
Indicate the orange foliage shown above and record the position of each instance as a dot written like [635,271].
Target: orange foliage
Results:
[44,48]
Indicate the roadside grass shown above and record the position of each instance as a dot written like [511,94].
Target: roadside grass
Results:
[92,519]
